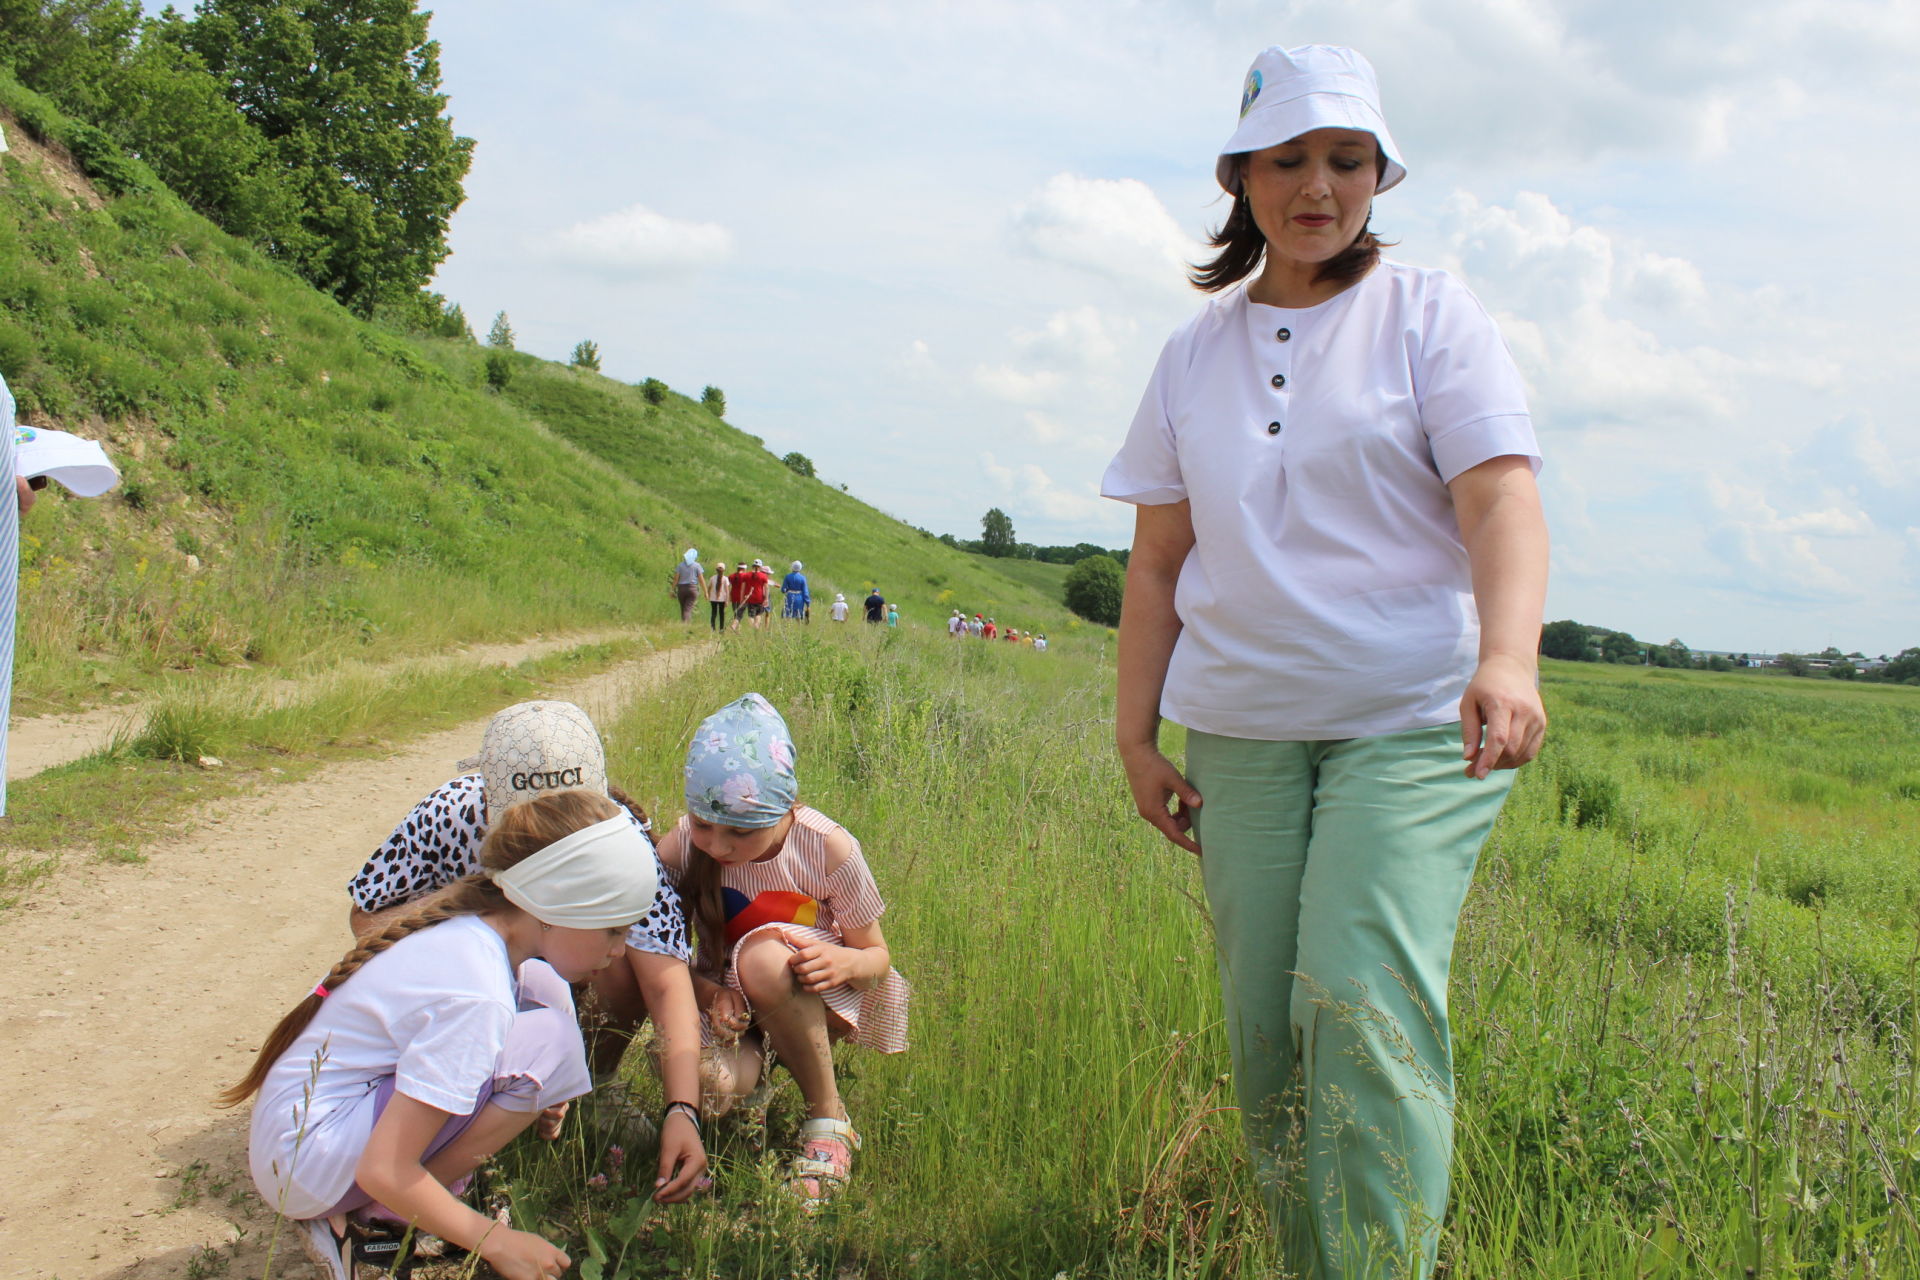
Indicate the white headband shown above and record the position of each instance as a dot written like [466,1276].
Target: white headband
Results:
[600,877]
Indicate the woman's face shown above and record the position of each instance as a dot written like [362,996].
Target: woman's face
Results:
[1310,196]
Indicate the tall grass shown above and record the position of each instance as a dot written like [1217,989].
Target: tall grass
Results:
[1644,1092]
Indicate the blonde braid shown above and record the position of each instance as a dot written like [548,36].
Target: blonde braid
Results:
[467,896]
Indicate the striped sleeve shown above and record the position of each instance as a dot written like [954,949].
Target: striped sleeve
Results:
[849,891]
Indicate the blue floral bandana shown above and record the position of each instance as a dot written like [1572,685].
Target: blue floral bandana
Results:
[740,766]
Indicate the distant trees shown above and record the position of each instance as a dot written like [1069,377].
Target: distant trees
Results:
[654,390]
[586,355]
[800,464]
[1567,640]
[716,401]
[996,533]
[500,333]
[1094,589]
[1905,667]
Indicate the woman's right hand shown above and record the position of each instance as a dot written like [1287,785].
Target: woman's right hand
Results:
[522,1255]
[1154,781]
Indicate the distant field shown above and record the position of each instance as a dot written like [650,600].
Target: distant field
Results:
[1684,998]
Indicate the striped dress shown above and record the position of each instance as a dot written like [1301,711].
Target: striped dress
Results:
[794,891]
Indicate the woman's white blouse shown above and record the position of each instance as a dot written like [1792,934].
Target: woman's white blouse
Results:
[1327,594]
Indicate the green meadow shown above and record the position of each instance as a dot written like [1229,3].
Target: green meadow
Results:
[1687,993]
[1684,993]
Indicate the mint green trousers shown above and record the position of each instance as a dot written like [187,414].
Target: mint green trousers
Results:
[1335,872]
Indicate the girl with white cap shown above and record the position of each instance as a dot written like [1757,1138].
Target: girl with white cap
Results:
[432,1044]
[528,749]
[1338,572]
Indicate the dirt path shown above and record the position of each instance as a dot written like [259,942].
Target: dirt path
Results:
[125,1003]
[41,742]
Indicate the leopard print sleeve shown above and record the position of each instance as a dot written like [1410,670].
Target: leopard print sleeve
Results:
[663,930]
[434,845]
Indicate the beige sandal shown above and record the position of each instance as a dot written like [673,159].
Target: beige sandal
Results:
[825,1162]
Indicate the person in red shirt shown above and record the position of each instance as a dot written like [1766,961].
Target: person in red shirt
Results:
[992,632]
[742,581]
[757,594]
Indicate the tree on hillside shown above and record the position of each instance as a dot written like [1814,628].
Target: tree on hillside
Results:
[716,401]
[1094,589]
[586,355]
[1566,640]
[800,463]
[654,390]
[501,333]
[347,92]
[996,533]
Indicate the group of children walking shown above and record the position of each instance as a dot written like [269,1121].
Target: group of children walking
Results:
[979,628]
[744,592]
[505,896]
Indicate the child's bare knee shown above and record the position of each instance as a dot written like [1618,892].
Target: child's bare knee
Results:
[763,972]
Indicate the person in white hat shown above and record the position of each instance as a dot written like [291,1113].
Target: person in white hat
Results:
[1333,467]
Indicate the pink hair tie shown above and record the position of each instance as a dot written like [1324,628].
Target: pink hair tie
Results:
[320,990]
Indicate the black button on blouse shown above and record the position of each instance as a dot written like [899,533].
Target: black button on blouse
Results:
[1273,428]
[1284,334]
[1279,379]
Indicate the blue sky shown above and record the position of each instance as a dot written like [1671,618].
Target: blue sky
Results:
[936,248]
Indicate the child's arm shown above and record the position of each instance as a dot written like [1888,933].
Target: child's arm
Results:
[391,1172]
[666,984]
[860,961]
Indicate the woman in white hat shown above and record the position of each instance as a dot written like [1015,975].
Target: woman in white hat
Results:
[1339,566]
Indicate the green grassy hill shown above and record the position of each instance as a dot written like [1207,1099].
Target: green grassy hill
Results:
[297,481]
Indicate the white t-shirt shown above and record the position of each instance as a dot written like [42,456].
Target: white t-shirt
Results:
[1040,644]
[1327,594]
[431,1012]
[839,610]
[954,624]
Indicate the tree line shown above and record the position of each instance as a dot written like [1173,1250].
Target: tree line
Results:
[314,128]
[1572,641]
[997,539]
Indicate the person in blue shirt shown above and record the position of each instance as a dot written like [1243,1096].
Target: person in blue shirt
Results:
[799,600]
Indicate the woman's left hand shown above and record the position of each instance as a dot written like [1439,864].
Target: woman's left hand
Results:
[1502,722]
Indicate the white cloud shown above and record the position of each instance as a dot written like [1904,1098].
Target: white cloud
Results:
[1564,293]
[1027,485]
[1057,359]
[637,240]
[1114,227]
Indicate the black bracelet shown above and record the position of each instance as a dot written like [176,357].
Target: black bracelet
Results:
[685,1108]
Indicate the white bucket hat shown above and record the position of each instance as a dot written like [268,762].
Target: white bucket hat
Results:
[1294,91]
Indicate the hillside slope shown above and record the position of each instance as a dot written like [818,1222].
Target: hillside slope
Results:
[298,482]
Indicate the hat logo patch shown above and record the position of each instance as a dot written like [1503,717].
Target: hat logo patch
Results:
[1252,91]
[26,434]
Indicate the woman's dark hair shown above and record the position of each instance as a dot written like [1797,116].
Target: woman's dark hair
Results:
[1242,247]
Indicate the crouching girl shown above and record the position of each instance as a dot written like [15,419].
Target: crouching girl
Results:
[428,1047]
[791,957]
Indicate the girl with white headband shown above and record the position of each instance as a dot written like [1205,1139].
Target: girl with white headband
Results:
[1339,566]
[429,1046]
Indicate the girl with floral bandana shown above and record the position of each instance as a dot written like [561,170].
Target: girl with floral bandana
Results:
[791,957]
